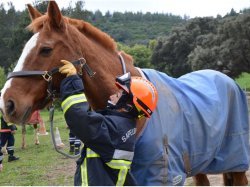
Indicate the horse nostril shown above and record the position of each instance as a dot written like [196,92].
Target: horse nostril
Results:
[10,107]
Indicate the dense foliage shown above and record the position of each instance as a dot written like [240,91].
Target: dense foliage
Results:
[218,43]
[128,28]
[165,42]
[2,77]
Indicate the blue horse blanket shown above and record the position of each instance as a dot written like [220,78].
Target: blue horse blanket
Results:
[201,117]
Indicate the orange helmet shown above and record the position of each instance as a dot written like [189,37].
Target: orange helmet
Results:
[144,93]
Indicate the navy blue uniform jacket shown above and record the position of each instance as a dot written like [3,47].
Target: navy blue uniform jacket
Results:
[108,137]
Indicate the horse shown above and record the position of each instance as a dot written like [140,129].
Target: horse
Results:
[34,120]
[23,144]
[160,158]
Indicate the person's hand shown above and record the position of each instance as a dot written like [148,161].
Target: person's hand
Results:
[68,68]
[13,132]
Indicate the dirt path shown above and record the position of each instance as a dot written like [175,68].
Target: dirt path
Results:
[64,171]
[68,170]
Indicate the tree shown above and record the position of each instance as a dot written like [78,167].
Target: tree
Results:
[20,36]
[171,54]
[227,50]
[140,53]
[8,19]
[129,28]
[218,43]
[2,77]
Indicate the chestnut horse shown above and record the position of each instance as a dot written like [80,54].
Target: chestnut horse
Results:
[35,81]
[23,145]
[34,120]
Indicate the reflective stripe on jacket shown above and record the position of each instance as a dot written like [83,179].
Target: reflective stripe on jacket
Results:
[119,168]
[108,137]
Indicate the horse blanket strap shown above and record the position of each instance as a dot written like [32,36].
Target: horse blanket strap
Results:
[187,164]
[187,114]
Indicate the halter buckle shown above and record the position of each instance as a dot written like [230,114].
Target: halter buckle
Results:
[85,66]
[46,76]
[82,61]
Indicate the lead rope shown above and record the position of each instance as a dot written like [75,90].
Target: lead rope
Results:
[89,71]
[51,119]
[84,65]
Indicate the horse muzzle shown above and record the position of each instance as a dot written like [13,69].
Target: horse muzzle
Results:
[15,113]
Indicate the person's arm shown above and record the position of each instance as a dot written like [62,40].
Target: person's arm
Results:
[90,127]
[13,128]
[5,127]
[75,107]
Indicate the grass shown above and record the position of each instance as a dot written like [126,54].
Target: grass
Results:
[39,165]
[244,81]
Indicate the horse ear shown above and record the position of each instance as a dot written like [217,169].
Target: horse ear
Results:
[34,13]
[55,16]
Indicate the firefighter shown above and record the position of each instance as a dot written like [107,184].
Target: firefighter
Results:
[7,132]
[108,135]
[74,143]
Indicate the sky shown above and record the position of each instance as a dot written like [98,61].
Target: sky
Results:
[191,8]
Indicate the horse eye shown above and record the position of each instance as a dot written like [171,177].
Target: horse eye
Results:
[45,51]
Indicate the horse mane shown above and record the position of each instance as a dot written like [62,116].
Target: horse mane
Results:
[84,27]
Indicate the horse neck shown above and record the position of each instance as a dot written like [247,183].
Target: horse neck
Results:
[106,64]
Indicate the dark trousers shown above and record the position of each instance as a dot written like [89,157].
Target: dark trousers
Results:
[74,141]
[10,140]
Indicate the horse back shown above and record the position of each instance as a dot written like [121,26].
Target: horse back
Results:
[203,115]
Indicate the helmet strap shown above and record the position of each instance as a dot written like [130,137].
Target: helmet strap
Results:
[132,110]
[125,102]
[121,103]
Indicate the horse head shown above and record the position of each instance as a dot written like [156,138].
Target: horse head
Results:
[55,38]
[50,43]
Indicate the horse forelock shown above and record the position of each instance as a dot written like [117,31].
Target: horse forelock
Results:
[83,27]
[37,24]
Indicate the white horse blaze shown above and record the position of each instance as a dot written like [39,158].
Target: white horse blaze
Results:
[28,47]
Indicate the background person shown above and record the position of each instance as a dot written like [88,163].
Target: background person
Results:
[74,143]
[7,132]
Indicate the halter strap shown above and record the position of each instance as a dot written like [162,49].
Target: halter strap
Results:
[24,73]
[47,75]
[123,63]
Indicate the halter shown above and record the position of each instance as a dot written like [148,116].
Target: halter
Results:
[48,76]
[51,94]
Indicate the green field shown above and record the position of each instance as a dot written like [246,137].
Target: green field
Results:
[244,81]
[39,165]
